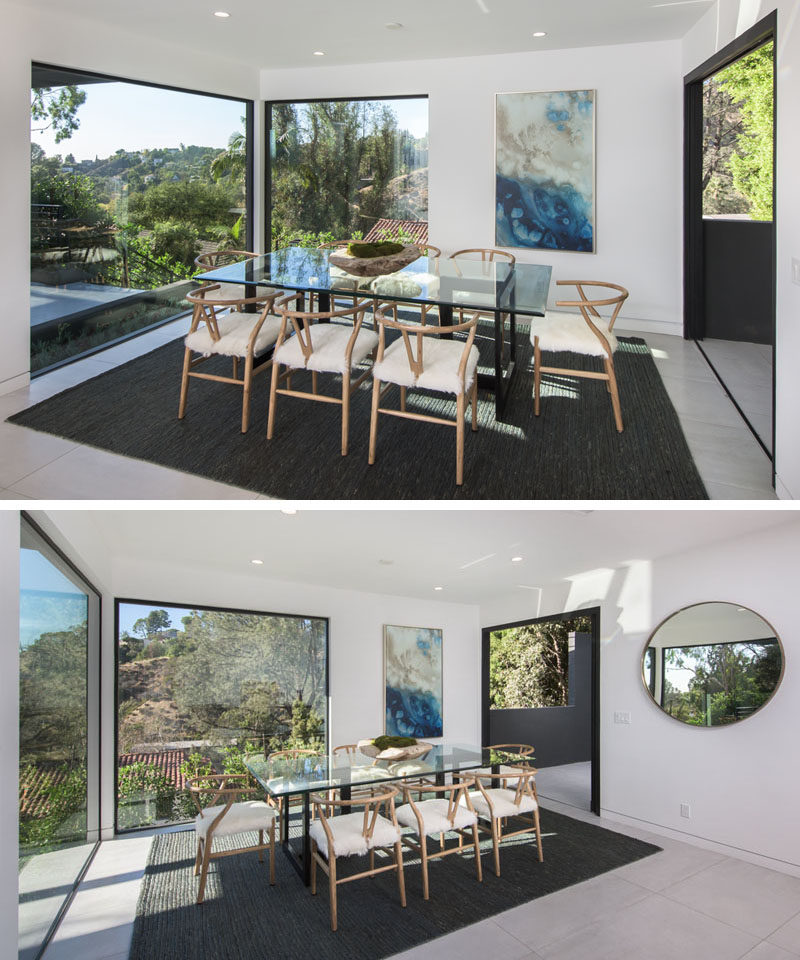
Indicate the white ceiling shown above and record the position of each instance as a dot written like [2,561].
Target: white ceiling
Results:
[467,552]
[272,34]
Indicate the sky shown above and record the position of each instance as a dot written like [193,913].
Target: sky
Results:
[64,607]
[129,613]
[130,116]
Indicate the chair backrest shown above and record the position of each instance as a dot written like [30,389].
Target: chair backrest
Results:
[456,794]
[332,244]
[372,800]
[351,749]
[225,787]
[524,749]
[292,754]
[206,301]
[429,250]
[414,334]
[588,305]
[221,258]
[524,777]
[302,321]
[487,254]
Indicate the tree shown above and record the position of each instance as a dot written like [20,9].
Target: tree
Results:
[129,647]
[202,205]
[232,162]
[178,241]
[149,628]
[57,108]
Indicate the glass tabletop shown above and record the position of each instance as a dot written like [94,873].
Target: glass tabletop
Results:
[521,288]
[284,776]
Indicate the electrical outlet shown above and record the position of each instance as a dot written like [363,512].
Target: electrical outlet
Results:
[686,810]
[622,716]
[795,270]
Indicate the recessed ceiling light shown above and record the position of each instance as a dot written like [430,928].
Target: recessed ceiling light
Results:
[517,559]
[438,588]
[319,53]
[540,33]
[221,14]
[393,25]
[258,563]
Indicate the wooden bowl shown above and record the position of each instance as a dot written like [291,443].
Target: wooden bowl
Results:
[374,266]
[412,752]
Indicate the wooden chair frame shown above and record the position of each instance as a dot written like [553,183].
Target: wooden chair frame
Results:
[206,307]
[588,308]
[207,261]
[489,255]
[372,800]
[416,361]
[227,794]
[301,324]
[351,749]
[456,792]
[526,786]
[523,749]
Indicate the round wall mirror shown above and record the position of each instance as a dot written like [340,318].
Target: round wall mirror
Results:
[712,664]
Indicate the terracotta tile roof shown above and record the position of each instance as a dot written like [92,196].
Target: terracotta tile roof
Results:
[35,783]
[168,762]
[416,229]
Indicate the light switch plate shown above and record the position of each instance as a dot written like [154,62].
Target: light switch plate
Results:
[686,810]
[622,716]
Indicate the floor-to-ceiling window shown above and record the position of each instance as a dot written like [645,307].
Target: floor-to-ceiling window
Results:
[199,688]
[129,183]
[58,735]
[343,169]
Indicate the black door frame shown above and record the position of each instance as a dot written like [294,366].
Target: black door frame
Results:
[693,314]
[594,614]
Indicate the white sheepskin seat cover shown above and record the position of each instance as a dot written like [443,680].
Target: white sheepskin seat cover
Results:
[348,836]
[502,803]
[329,343]
[440,362]
[234,333]
[247,815]
[229,291]
[434,817]
[567,331]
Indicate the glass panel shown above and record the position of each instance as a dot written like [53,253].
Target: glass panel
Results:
[349,169]
[54,820]
[737,138]
[199,690]
[122,201]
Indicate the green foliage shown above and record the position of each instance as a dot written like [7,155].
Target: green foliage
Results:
[385,742]
[57,108]
[129,647]
[202,205]
[307,726]
[529,665]
[65,810]
[384,248]
[142,782]
[73,192]
[179,242]
[232,162]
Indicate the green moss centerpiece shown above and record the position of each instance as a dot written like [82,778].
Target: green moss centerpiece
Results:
[374,259]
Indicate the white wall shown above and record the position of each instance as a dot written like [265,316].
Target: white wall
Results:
[71,42]
[9,721]
[726,20]
[638,154]
[742,781]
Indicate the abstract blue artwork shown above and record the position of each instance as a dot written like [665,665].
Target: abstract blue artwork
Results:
[412,659]
[544,170]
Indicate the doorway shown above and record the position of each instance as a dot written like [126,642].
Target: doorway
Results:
[730,221]
[541,684]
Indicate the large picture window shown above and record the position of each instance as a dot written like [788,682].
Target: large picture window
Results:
[129,183]
[200,688]
[343,169]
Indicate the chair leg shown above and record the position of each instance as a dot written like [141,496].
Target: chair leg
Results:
[373,422]
[332,891]
[612,383]
[496,847]
[313,868]
[201,892]
[261,846]
[272,853]
[460,404]
[345,412]
[537,375]
[313,381]
[246,385]
[538,835]
[273,397]
[476,841]
[199,856]
[423,849]
[235,368]
[187,357]
[372,859]
[403,399]
[401,881]
[475,403]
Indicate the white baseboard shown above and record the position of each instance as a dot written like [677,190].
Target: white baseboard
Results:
[782,866]
[15,383]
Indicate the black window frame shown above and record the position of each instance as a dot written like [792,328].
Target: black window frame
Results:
[213,609]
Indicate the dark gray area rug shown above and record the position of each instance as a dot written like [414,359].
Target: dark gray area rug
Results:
[572,451]
[243,917]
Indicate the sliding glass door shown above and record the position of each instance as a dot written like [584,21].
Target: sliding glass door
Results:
[58,735]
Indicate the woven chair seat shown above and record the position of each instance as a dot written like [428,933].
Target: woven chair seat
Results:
[243,816]
[568,331]
[348,836]
[441,359]
[434,817]
[329,346]
[234,335]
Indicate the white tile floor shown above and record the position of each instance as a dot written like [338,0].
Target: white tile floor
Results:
[569,783]
[684,903]
[38,466]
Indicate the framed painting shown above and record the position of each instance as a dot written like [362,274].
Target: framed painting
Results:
[412,660]
[545,170]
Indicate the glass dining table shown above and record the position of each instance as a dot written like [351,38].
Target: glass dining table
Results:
[493,287]
[316,773]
